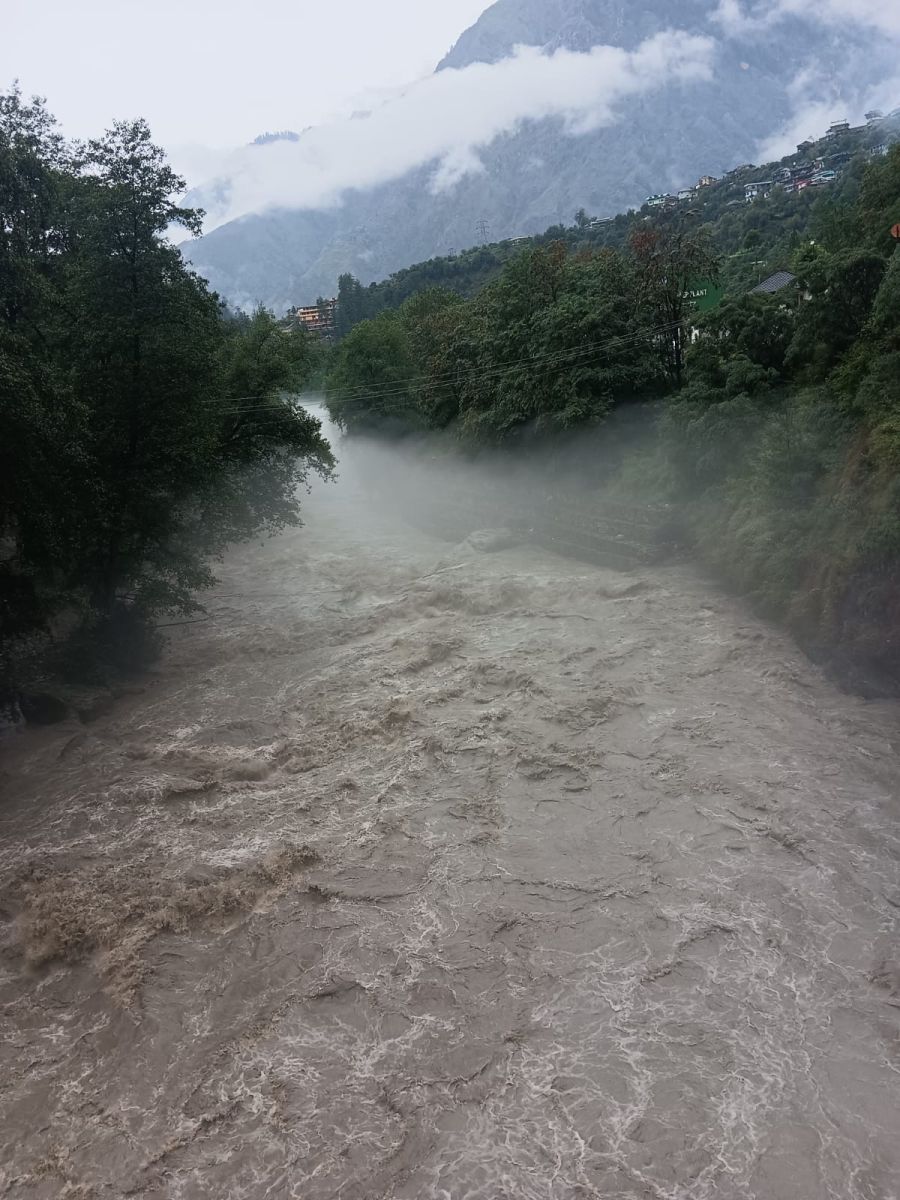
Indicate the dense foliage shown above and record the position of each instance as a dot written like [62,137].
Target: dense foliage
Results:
[752,239]
[557,340]
[784,446]
[141,430]
[779,435]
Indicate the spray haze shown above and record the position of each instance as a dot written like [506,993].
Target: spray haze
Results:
[412,845]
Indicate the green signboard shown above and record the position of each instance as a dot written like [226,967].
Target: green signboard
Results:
[705,295]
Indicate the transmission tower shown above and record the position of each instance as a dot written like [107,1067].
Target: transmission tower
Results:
[484,230]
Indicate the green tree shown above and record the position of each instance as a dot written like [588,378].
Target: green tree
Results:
[140,337]
[370,385]
[879,201]
[562,344]
[841,287]
[669,260]
[141,428]
[39,421]
[354,304]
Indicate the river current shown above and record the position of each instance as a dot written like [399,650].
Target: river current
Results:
[455,871]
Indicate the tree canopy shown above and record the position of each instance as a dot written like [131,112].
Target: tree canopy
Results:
[140,430]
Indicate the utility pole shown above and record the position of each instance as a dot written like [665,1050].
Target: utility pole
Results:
[483,230]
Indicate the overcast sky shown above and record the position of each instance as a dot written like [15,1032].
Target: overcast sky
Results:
[218,72]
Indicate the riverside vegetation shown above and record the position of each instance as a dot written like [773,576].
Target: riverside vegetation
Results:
[772,422]
[142,428]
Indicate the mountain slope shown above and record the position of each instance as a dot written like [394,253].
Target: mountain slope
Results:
[539,172]
[555,24]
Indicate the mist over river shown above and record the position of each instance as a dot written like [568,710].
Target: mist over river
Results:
[454,870]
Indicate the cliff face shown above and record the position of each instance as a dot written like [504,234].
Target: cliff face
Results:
[540,173]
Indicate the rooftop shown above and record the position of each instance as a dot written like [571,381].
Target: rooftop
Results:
[768,287]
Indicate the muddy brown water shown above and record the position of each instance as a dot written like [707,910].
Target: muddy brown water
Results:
[459,872]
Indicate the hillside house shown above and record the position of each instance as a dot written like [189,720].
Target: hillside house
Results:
[316,319]
[706,181]
[836,128]
[687,194]
[760,189]
[784,284]
[775,283]
[875,117]
[782,176]
[782,281]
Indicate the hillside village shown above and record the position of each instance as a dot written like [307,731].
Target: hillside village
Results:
[817,164]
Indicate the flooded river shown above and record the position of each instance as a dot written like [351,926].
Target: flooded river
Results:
[464,872]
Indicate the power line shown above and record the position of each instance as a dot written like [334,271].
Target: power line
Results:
[363,397]
[369,391]
[536,359]
[396,386]
[399,387]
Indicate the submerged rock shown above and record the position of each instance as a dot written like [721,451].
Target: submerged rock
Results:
[40,708]
[491,541]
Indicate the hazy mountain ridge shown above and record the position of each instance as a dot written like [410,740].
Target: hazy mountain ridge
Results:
[539,175]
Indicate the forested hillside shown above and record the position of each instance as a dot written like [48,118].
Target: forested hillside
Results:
[771,422]
[141,429]
[753,239]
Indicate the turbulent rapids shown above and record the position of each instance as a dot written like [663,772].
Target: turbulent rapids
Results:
[460,871]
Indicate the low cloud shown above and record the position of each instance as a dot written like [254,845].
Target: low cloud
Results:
[816,103]
[447,118]
[738,18]
[816,98]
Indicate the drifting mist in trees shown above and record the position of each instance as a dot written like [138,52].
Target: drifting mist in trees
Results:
[772,421]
